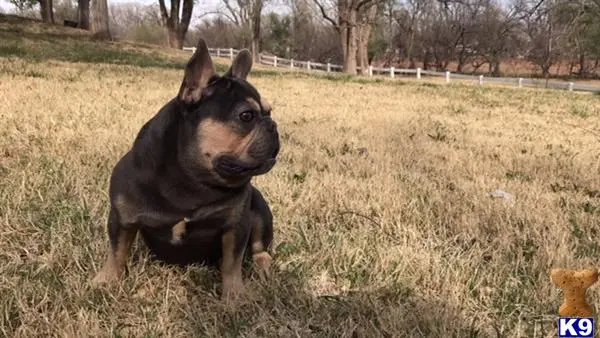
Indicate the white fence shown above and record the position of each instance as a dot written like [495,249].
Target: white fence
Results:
[418,73]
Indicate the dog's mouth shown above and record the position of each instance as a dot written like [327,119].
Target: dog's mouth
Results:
[231,166]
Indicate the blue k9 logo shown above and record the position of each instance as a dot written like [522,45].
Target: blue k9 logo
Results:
[575,327]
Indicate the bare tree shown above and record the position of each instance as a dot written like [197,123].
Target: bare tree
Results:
[346,21]
[176,27]
[365,25]
[100,25]
[409,18]
[311,40]
[138,22]
[83,14]
[247,14]
[545,33]
[65,10]
[46,11]
[498,34]
[581,19]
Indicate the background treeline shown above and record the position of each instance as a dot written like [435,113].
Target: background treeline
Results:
[509,37]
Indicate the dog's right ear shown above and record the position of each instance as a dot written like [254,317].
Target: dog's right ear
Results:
[198,72]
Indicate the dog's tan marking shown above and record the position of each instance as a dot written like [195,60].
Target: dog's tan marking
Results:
[217,137]
[266,106]
[257,232]
[131,213]
[260,258]
[231,267]
[127,212]
[261,263]
[177,232]
[252,102]
[116,261]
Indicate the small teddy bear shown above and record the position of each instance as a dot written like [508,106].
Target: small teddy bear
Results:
[574,284]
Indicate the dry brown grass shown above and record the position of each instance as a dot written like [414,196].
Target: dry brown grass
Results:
[400,240]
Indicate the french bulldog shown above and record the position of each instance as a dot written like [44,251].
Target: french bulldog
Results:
[185,184]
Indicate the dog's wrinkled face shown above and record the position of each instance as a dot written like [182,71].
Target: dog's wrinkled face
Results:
[229,129]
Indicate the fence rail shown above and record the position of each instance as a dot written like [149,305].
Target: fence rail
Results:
[278,62]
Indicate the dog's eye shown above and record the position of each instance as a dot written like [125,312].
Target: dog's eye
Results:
[247,116]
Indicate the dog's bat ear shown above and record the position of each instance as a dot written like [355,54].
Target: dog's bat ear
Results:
[241,65]
[198,72]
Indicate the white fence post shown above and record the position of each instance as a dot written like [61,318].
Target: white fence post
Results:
[308,65]
[520,82]
[218,52]
[328,67]
[231,53]
[370,70]
[481,80]
[291,63]
[275,61]
[392,72]
[447,77]
[418,73]
[571,85]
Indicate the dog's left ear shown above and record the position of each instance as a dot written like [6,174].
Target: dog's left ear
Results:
[198,72]
[241,65]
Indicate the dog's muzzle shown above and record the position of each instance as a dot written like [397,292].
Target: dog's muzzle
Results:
[263,151]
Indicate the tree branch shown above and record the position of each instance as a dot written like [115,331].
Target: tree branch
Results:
[163,11]
[186,16]
[325,16]
[175,12]
[362,3]
[234,14]
[202,15]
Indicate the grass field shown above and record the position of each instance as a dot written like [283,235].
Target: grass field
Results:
[384,222]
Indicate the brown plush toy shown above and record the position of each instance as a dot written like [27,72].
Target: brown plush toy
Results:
[574,284]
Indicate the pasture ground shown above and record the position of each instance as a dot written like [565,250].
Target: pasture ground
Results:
[402,239]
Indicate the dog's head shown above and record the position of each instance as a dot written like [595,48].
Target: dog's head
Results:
[228,130]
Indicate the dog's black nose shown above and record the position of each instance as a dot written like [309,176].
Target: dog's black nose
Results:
[271,125]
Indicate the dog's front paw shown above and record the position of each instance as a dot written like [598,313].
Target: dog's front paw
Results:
[262,264]
[106,275]
[232,289]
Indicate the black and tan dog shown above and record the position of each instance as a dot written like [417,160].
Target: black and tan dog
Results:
[185,185]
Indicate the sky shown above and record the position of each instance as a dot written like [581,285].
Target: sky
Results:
[201,6]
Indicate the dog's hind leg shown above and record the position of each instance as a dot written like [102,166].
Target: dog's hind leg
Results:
[121,239]
[262,234]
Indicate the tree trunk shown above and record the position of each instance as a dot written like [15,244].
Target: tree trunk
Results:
[412,63]
[176,29]
[100,26]
[349,47]
[83,14]
[426,59]
[390,47]
[582,69]
[256,16]
[46,11]
[546,71]
[348,40]
[362,56]
[364,33]
[409,49]
[496,67]
[173,37]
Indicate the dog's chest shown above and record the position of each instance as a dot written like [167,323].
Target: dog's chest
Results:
[205,224]
[196,231]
